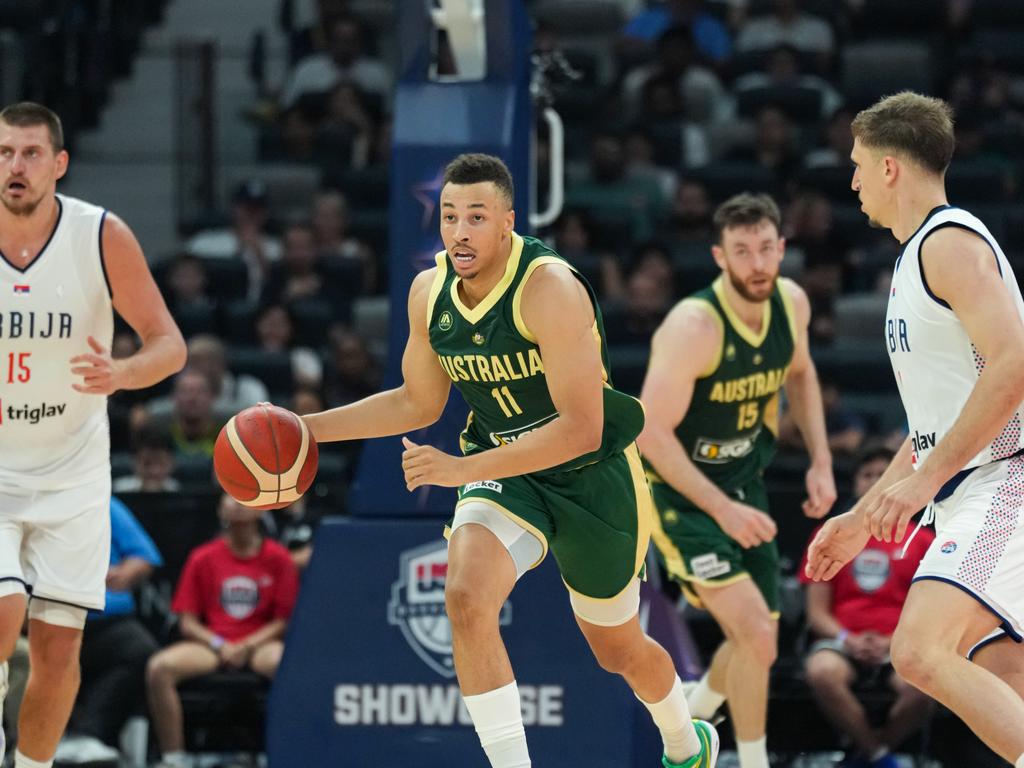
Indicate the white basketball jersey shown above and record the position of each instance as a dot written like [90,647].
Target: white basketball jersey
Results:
[52,437]
[935,363]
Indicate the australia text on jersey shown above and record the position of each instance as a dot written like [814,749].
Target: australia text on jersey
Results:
[492,368]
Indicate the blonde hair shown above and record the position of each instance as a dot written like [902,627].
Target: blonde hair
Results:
[918,127]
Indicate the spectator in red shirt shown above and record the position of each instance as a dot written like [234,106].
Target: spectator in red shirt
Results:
[854,616]
[234,598]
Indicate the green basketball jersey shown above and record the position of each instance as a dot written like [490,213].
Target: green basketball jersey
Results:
[729,429]
[494,361]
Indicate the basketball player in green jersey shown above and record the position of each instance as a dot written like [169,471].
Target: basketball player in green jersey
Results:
[711,396]
[549,459]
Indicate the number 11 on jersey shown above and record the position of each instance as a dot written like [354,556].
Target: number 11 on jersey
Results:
[506,401]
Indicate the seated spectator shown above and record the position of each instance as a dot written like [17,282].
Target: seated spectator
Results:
[710,34]
[352,372]
[774,145]
[690,215]
[664,111]
[782,70]
[234,598]
[186,285]
[344,59]
[274,331]
[853,616]
[605,189]
[232,392]
[838,143]
[648,298]
[330,219]
[574,238]
[293,528]
[845,428]
[153,457]
[191,420]
[676,60]
[246,238]
[115,648]
[300,273]
[307,400]
[788,25]
[346,134]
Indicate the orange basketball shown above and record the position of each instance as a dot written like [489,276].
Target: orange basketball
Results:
[265,457]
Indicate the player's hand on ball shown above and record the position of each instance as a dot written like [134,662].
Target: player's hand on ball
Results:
[101,374]
[425,465]
[836,543]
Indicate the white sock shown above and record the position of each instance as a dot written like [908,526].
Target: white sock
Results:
[753,754]
[879,753]
[1020,762]
[704,700]
[498,720]
[672,716]
[20,761]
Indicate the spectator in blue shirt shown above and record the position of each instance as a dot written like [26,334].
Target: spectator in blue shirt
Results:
[115,646]
[710,33]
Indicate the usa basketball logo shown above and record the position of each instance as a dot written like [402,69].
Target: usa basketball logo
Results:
[417,606]
[948,547]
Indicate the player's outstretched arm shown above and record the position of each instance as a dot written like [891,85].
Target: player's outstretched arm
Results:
[685,347]
[961,269]
[417,403]
[137,299]
[804,394]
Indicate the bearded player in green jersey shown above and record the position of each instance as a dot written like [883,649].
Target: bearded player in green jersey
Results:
[549,459]
[711,396]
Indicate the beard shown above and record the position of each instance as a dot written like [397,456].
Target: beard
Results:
[23,208]
[754,295]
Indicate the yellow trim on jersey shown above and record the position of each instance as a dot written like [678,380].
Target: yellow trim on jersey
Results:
[475,314]
[771,414]
[753,339]
[517,297]
[441,257]
[675,563]
[787,303]
[717,316]
[517,303]
[513,517]
[646,512]
[694,599]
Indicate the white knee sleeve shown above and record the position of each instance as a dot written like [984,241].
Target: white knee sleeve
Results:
[610,612]
[526,549]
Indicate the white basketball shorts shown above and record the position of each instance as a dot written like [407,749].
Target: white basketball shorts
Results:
[979,542]
[57,543]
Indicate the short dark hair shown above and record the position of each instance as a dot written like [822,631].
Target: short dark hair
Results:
[744,210]
[153,439]
[476,167]
[25,114]
[919,127]
[873,452]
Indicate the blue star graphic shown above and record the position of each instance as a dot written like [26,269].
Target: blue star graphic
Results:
[427,193]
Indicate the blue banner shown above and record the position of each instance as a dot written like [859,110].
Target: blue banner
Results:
[367,677]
